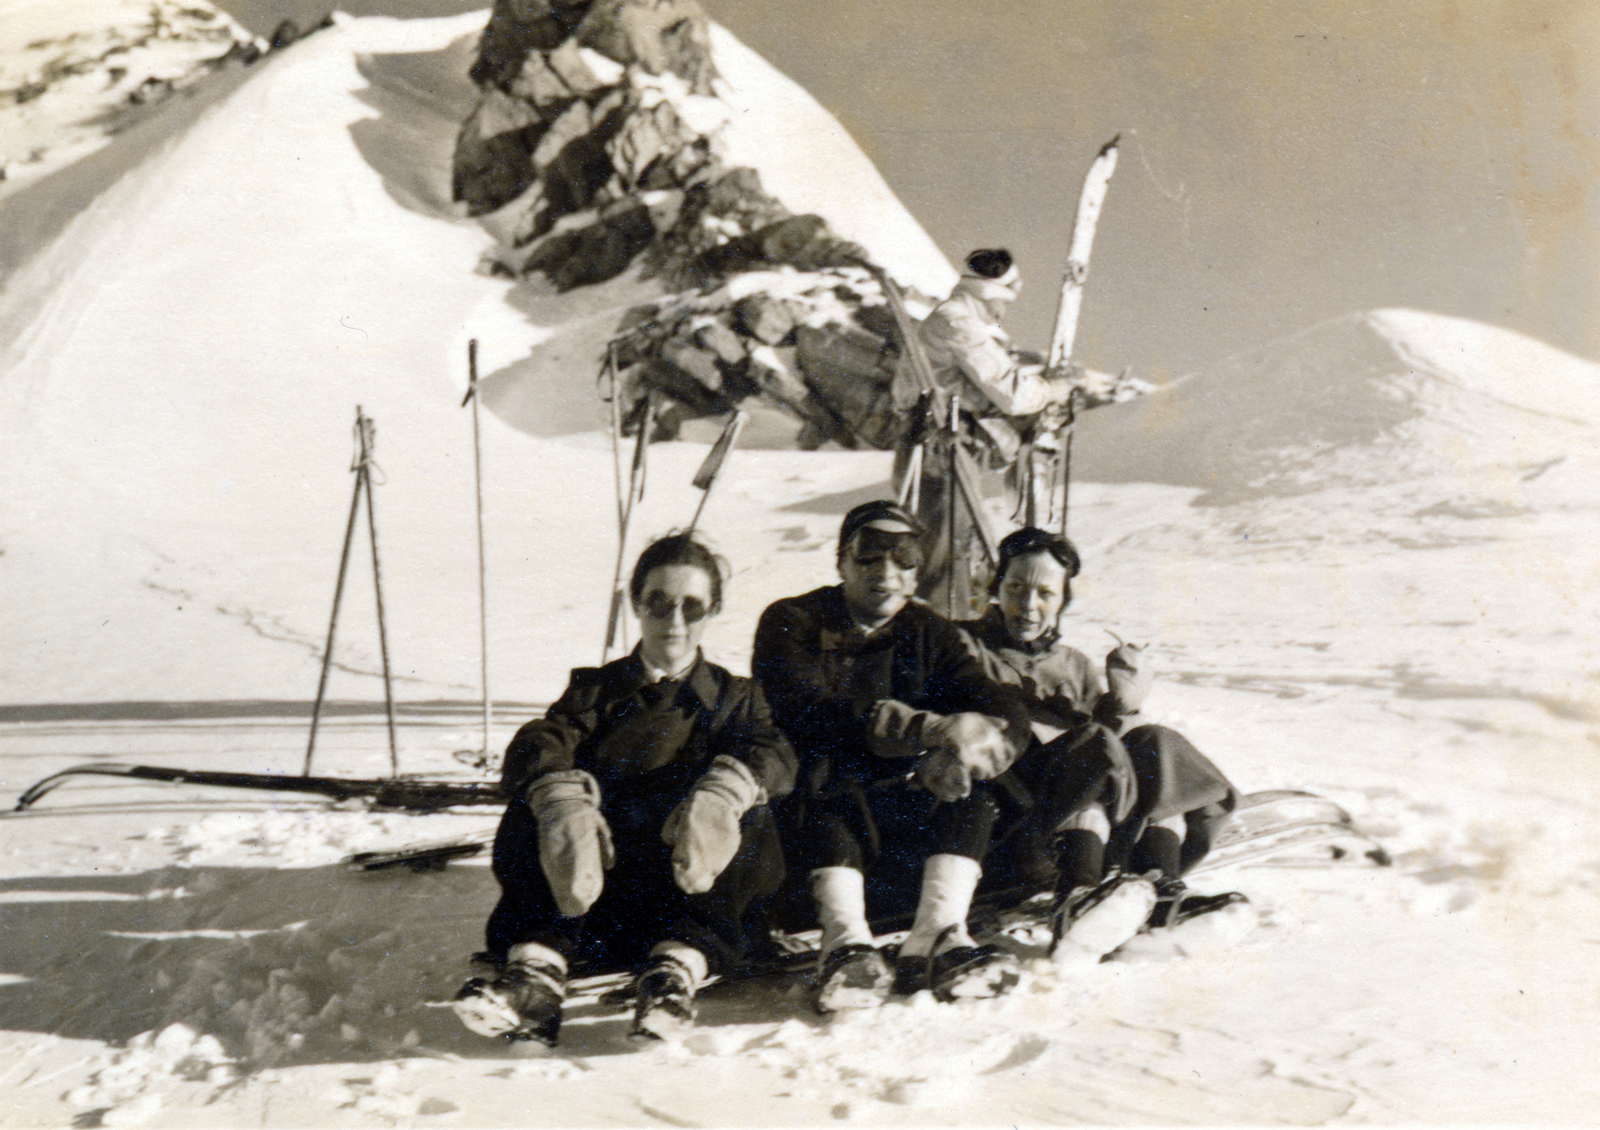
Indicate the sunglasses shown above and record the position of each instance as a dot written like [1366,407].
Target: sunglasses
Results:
[902,557]
[659,606]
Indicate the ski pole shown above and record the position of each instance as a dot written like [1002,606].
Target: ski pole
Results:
[951,502]
[333,617]
[966,482]
[367,431]
[636,479]
[609,366]
[1066,458]
[483,583]
[705,478]
[911,484]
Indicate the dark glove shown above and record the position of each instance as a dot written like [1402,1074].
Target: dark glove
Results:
[704,829]
[575,847]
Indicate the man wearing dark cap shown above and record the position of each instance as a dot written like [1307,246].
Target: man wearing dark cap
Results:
[900,732]
[1007,400]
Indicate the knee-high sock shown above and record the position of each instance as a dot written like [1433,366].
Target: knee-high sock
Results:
[840,894]
[1082,859]
[948,882]
[1162,848]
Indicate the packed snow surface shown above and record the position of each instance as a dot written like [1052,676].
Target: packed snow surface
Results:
[1370,577]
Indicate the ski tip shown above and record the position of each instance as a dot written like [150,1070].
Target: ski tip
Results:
[1110,145]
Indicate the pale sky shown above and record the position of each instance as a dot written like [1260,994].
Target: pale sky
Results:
[1283,162]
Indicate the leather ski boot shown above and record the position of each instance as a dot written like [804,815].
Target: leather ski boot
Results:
[663,1003]
[521,1002]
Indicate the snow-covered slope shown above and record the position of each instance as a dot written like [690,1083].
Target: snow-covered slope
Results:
[1385,469]
[177,406]
[780,129]
[174,401]
[1385,595]
[1384,397]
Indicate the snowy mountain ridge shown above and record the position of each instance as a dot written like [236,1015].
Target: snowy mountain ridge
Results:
[1383,396]
[71,76]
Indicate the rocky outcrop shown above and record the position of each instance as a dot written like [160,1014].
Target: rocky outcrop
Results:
[596,148]
[593,150]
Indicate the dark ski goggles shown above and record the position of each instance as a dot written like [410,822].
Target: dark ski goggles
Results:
[659,606]
[872,546]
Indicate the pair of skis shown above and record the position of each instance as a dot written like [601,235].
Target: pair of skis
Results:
[1036,462]
[1283,827]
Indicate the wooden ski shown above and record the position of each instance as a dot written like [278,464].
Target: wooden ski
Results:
[393,792]
[1090,201]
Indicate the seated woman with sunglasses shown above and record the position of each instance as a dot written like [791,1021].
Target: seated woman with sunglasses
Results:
[1117,799]
[901,734]
[638,833]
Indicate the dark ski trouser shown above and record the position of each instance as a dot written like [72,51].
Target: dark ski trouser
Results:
[1062,778]
[1050,783]
[640,905]
[887,833]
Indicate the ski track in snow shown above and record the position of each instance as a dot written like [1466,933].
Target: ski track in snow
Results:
[1403,624]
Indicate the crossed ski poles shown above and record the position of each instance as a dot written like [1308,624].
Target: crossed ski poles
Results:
[362,464]
[630,491]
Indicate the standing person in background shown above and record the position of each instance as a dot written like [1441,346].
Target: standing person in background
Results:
[901,736]
[638,832]
[1164,826]
[971,354]
[1007,399]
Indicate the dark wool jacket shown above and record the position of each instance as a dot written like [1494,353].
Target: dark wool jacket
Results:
[1063,687]
[825,681]
[616,725]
